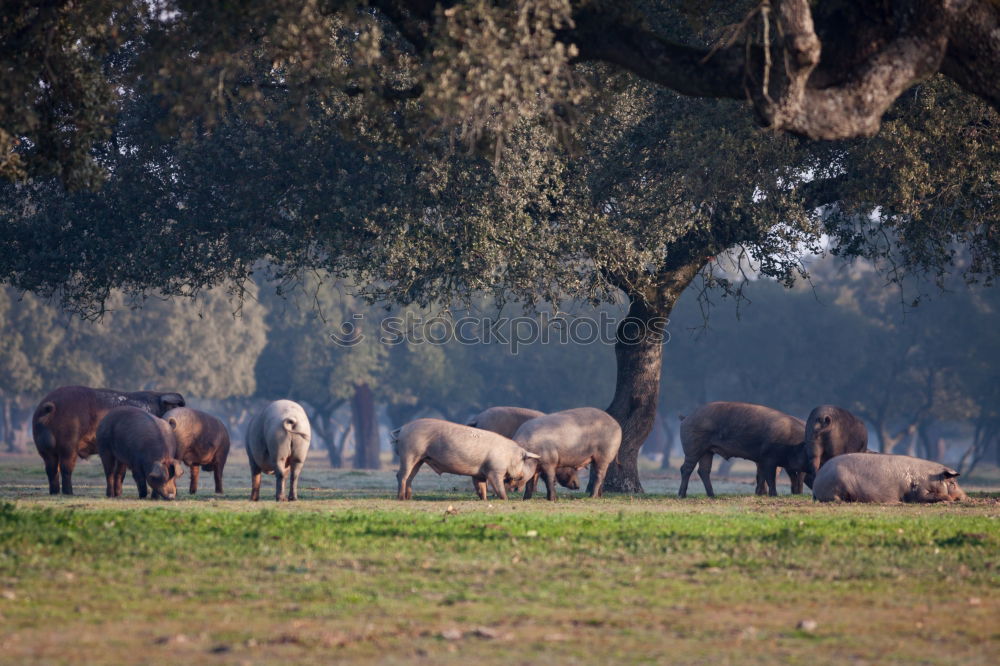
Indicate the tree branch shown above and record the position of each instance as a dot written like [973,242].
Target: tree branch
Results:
[778,76]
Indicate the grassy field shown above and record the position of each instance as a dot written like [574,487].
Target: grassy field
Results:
[350,575]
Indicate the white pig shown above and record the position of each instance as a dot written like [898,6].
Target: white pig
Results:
[875,477]
[278,442]
[459,449]
[572,439]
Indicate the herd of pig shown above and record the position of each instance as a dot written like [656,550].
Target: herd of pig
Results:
[154,435]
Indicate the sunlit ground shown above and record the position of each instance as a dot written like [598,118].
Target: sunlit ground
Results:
[350,574]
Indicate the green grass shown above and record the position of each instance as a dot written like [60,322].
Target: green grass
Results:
[350,575]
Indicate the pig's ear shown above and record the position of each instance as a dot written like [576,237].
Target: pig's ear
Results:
[177,468]
[158,472]
[171,400]
[949,473]
[529,454]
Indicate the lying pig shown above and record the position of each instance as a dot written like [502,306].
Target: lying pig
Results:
[875,477]
[132,438]
[65,425]
[570,439]
[832,431]
[277,442]
[202,441]
[506,420]
[766,436]
[458,449]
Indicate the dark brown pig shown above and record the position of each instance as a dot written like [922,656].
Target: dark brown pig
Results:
[459,449]
[832,431]
[766,436]
[202,441]
[571,439]
[65,425]
[875,477]
[132,438]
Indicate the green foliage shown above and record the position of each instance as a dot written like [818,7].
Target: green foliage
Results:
[198,347]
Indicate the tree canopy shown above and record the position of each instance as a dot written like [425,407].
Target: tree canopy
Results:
[823,70]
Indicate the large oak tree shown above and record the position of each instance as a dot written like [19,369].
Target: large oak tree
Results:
[335,136]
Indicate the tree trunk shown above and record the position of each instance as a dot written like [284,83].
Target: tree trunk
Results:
[639,354]
[8,425]
[336,451]
[668,444]
[366,445]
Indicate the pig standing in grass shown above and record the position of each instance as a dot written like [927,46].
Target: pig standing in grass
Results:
[202,441]
[458,449]
[832,431]
[571,439]
[503,420]
[766,436]
[277,442]
[132,438]
[65,425]
[506,420]
[874,477]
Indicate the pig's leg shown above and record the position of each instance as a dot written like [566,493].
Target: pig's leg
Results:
[254,480]
[480,486]
[195,470]
[293,491]
[110,466]
[529,486]
[217,467]
[496,480]
[816,462]
[66,465]
[686,470]
[549,475]
[401,479]
[217,473]
[705,472]
[407,470]
[140,482]
[119,478]
[52,471]
[279,481]
[771,477]
[797,482]
[598,473]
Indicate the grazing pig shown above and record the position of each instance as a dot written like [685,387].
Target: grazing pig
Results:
[875,477]
[65,425]
[570,439]
[459,449]
[132,438]
[202,441]
[832,431]
[503,420]
[766,436]
[277,442]
[506,420]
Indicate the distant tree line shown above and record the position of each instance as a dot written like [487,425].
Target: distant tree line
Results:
[917,375]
